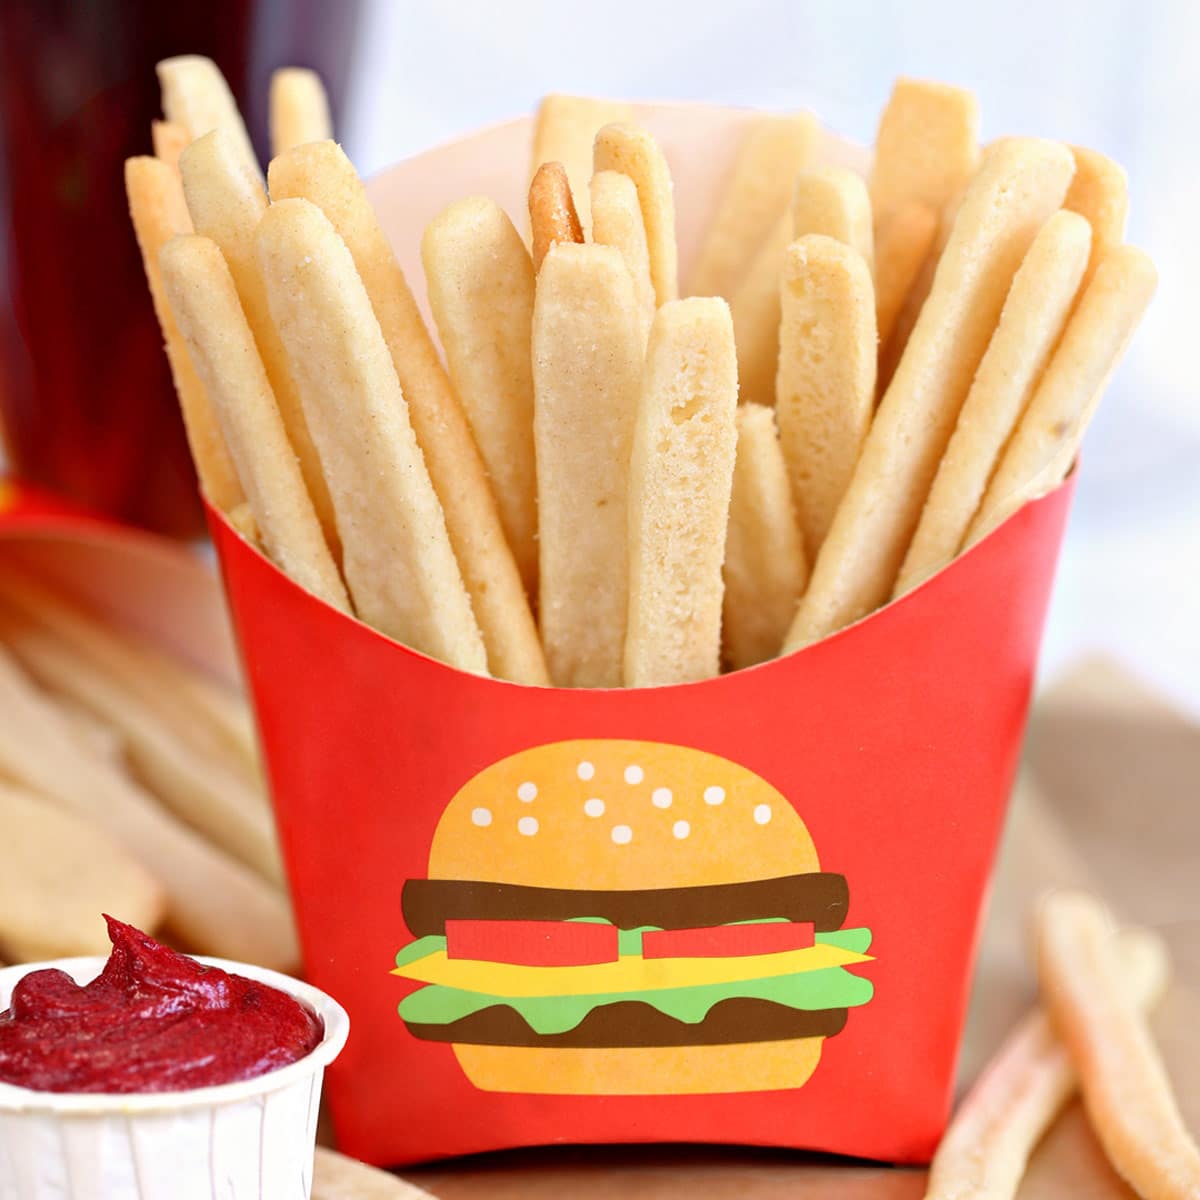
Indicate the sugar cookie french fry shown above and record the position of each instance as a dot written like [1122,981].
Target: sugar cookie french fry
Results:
[987,1146]
[58,873]
[833,201]
[680,479]
[903,241]
[479,278]
[825,392]
[242,520]
[755,309]
[765,568]
[564,131]
[1099,192]
[1009,200]
[169,141]
[552,215]
[1126,1089]
[203,793]
[398,561]
[1033,317]
[617,221]
[753,198]
[196,97]
[1046,439]
[299,109]
[587,364]
[96,734]
[205,303]
[215,904]
[926,147]
[632,151]
[321,174]
[226,203]
[159,212]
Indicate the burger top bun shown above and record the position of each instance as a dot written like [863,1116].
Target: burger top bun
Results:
[601,814]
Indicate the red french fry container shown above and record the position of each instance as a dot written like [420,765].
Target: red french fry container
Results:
[742,835]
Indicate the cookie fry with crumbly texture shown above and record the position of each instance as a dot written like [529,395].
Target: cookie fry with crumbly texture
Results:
[617,221]
[753,198]
[765,568]
[203,298]
[159,212]
[587,364]
[552,215]
[903,242]
[1099,193]
[480,282]
[398,560]
[1126,1089]
[632,151]
[299,109]
[1009,200]
[322,174]
[1044,444]
[196,97]
[564,131]
[680,479]
[825,393]
[1035,311]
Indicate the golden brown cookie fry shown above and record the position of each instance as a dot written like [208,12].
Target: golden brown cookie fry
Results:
[565,130]
[205,303]
[552,215]
[825,393]
[753,198]
[680,479]
[1009,200]
[159,212]
[299,109]
[322,174]
[1099,193]
[226,203]
[632,151]
[480,282]
[984,1152]
[903,242]
[617,221]
[1046,440]
[587,365]
[1035,311]
[398,561]
[765,569]
[57,875]
[1126,1089]
[196,97]
[169,141]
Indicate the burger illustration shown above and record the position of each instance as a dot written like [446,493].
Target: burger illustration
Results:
[624,917]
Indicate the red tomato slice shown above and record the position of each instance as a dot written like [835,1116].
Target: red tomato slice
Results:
[533,943]
[728,941]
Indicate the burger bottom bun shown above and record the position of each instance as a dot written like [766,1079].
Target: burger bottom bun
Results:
[642,1071]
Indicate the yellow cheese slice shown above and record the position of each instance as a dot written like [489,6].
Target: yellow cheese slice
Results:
[631,973]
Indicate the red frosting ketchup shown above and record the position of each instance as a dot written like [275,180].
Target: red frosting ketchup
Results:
[153,1020]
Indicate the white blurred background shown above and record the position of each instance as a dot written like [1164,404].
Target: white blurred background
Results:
[1117,75]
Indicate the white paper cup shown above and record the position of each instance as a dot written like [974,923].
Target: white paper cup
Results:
[236,1141]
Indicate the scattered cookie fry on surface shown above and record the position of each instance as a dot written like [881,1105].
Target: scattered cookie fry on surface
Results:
[753,199]
[825,392]
[904,240]
[1099,192]
[765,568]
[552,215]
[196,97]
[632,151]
[398,561]
[587,365]
[1033,317]
[680,479]
[617,221]
[322,174]
[480,280]
[1126,1089]
[299,109]
[1006,204]
[1046,439]
[159,212]
[201,292]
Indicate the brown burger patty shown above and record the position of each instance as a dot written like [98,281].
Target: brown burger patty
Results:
[817,896]
[633,1023]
